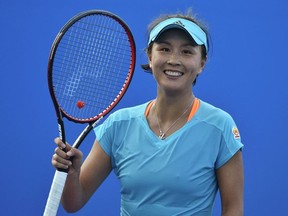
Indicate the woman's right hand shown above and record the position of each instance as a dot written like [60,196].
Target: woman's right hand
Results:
[71,160]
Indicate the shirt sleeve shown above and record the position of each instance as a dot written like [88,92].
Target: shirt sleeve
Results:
[103,135]
[230,142]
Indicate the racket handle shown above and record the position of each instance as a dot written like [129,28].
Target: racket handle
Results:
[55,193]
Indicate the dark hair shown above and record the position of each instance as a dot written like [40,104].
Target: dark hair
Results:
[187,16]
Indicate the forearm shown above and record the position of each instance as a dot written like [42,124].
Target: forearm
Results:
[82,182]
[231,185]
[72,198]
[233,211]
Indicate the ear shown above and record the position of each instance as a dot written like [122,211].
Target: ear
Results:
[149,59]
[203,63]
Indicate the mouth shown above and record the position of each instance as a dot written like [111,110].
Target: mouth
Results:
[173,73]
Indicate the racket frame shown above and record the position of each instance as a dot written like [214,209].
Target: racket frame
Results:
[60,176]
[60,112]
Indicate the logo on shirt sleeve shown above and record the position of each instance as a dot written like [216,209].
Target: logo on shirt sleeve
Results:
[236,133]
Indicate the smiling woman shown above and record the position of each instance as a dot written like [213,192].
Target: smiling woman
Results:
[187,23]
[177,52]
[177,57]
[171,154]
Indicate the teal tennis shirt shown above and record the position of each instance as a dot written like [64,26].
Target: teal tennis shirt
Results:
[170,177]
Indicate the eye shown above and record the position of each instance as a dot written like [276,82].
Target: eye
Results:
[162,47]
[187,52]
[165,49]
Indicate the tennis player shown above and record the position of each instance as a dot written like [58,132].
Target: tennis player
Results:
[171,154]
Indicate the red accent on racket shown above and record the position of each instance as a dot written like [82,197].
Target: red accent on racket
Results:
[93,59]
[80,104]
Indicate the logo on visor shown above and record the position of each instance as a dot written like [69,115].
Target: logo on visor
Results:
[179,23]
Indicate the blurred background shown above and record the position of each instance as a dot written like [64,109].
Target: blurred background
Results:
[245,75]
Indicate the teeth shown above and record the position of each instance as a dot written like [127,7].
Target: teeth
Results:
[173,73]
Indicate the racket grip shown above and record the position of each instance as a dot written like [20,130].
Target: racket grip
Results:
[55,193]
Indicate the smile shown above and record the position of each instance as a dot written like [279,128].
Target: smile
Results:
[173,73]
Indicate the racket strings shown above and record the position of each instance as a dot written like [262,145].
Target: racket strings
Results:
[92,64]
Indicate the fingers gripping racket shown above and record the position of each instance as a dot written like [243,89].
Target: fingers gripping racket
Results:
[91,64]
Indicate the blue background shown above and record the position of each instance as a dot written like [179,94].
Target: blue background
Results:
[246,75]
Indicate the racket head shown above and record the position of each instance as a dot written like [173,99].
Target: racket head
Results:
[91,65]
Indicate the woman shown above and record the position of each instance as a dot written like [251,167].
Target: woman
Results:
[171,154]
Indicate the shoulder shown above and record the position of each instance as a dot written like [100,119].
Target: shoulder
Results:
[213,115]
[129,113]
[120,119]
[211,110]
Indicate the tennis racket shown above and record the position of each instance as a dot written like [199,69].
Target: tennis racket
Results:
[90,67]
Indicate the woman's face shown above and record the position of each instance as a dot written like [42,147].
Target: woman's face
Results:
[175,61]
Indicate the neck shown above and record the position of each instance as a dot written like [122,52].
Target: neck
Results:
[169,110]
[173,122]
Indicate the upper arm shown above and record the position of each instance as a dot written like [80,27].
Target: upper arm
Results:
[94,170]
[231,183]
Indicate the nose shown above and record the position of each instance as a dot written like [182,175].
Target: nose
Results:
[174,59]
